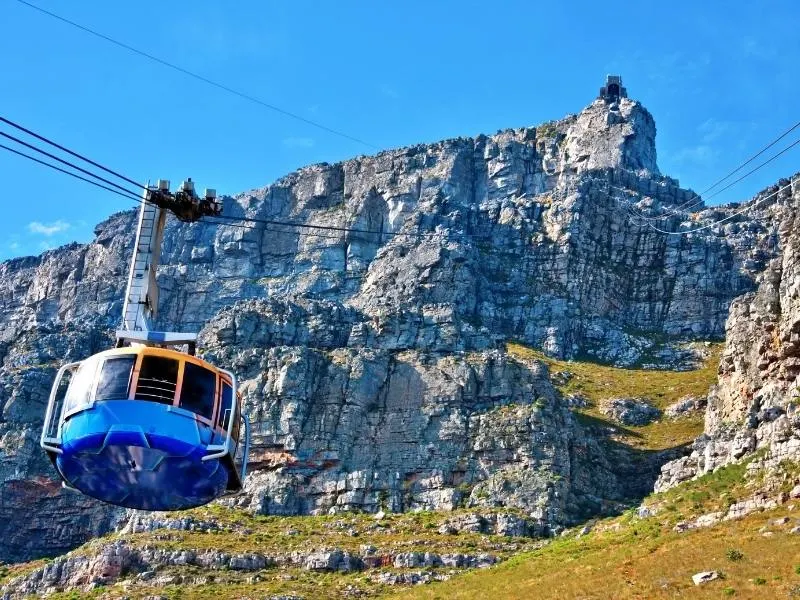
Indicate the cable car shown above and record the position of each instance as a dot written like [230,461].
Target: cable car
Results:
[144,425]
[147,428]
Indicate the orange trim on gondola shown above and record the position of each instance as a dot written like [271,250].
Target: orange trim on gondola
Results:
[182,358]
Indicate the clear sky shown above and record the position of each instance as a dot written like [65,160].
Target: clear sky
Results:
[720,77]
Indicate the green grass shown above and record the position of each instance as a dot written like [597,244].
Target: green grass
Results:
[597,382]
[413,532]
[8,572]
[627,557]
[280,536]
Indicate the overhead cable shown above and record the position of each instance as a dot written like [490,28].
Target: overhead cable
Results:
[694,202]
[199,77]
[63,161]
[752,158]
[131,195]
[68,151]
[71,174]
[725,219]
[754,169]
[135,198]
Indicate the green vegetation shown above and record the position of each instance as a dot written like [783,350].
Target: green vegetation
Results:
[413,532]
[622,557]
[627,557]
[10,571]
[280,536]
[734,555]
[546,130]
[596,382]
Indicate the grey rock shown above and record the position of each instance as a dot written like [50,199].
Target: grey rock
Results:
[704,577]
[576,401]
[685,406]
[707,520]
[630,411]
[758,502]
[105,565]
[753,406]
[410,578]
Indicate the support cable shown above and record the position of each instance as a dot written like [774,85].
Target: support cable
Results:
[71,174]
[198,77]
[65,162]
[68,151]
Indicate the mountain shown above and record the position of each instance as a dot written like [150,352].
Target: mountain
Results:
[373,353]
[755,406]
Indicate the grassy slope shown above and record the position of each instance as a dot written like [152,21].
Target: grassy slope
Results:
[272,535]
[623,557]
[628,557]
[642,563]
[597,382]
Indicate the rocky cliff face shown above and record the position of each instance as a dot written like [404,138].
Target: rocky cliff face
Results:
[755,405]
[372,359]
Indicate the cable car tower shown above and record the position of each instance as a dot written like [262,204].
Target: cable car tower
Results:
[146,425]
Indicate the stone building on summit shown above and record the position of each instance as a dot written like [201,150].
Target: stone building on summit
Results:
[613,89]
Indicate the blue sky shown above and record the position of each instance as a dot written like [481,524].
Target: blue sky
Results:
[719,77]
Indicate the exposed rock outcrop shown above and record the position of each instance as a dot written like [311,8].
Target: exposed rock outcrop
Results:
[755,406]
[109,563]
[411,429]
[686,406]
[630,411]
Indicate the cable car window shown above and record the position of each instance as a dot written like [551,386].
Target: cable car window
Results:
[60,397]
[158,378]
[225,411]
[114,381]
[81,385]
[198,390]
[225,406]
[237,422]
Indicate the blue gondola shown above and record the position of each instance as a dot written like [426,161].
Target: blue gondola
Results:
[147,428]
[143,425]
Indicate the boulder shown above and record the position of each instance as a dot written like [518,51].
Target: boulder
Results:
[630,411]
[704,577]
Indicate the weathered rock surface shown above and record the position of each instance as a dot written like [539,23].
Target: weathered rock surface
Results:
[412,430]
[686,406]
[630,411]
[754,406]
[372,360]
[110,562]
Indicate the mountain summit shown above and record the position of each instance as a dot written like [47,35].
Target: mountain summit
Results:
[373,354]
